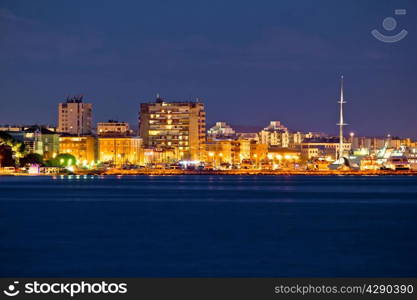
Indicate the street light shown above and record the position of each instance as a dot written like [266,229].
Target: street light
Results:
[352,134]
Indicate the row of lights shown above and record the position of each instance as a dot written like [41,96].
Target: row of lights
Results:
[270,156]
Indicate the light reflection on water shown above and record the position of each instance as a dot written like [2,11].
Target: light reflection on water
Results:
[303,189]
[274,226]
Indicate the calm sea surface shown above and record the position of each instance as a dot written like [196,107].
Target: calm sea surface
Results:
[208,226]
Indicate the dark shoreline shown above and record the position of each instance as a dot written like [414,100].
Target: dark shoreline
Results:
[228,173]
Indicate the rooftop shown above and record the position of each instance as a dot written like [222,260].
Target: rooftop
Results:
[40,129]
[75,99]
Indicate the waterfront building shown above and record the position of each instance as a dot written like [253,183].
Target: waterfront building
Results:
[323,147]
[242,150]
[32,140]
[308,152]
[274,138]
[83,148]
[283,158]
[120,150]
[221,130]
[113,128]
[37,139]
[227,152]
[371,143]
[177,126]
[411,155]
[75,117]
[219,153]
[41,140]
[318,164]
[158,156]
[295,139]
[376,144]
[258,152]
[369,162]
[276,134]
[396,142]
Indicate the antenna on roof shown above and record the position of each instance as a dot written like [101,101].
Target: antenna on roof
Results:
[158,98]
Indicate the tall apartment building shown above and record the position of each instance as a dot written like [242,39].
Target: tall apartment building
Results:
[180,126]
[74,116]
[221,130]
[277,134]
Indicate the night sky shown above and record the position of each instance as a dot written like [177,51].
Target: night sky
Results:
[249,61]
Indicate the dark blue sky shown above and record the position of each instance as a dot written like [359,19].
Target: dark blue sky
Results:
[249,61]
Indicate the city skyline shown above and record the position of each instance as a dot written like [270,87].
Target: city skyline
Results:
[245,127]
[238,127]
[272,65]
[272,144]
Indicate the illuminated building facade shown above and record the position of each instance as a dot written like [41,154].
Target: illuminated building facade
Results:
[153,156]
[120,150]
[258,152]
[42,141]
[75,117]
[412,157]
[113,128]
[283,158]
[323,147]
[219,153]
[83,148]
[274,134]
[221,129]
[39,140]
[277,134]
[371,143]
[176,126]
[231,152]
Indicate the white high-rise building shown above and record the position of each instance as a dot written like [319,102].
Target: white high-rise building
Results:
[275,134]
[221,129]
[75,117]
